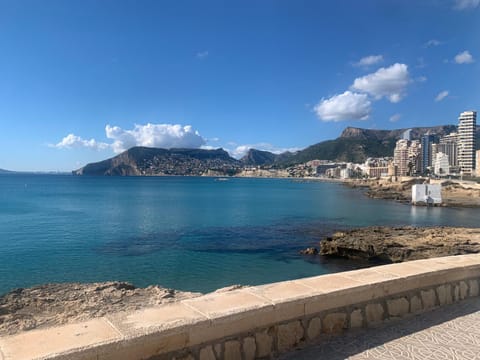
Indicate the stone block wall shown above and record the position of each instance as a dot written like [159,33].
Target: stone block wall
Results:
[265,343]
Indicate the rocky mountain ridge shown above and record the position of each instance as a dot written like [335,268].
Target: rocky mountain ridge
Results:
[353,145]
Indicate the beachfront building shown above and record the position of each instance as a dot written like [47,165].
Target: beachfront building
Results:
[400,158]
[477,162]
[427,194]
[466,141]
[406,157]
[415,157]
[441,165]
[376,167]
[426,145]
[449,145]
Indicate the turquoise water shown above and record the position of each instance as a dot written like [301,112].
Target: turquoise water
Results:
[192,234]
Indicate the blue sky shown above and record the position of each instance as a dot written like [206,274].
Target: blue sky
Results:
[83,80]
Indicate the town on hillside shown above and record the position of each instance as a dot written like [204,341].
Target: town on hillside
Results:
[451,155]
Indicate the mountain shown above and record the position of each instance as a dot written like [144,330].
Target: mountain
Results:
[356,145]
[259,158]
[2,171]
[353,145]
[154,161]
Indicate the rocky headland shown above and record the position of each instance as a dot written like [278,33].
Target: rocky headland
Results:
[397,244]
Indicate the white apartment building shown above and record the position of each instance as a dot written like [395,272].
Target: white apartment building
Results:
[477,162]
[467,124]
[400,157]
[441,165]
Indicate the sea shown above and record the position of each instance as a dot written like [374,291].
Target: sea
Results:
[186,233]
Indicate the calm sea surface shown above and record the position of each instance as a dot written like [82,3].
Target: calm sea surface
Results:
[186,233]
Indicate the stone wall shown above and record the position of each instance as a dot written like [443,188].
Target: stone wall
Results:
[262,321]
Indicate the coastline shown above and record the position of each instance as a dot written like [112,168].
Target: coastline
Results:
[55,304]
[455,193]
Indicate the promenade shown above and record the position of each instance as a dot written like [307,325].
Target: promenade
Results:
[450,332]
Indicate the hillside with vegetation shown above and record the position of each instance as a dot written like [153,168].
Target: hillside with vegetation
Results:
[139,161]
[353,145]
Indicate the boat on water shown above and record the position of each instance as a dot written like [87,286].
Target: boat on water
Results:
[221,179]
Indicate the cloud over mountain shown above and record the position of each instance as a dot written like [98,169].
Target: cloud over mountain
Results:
[390,82]
[240,150]
[346,106]
[154,135]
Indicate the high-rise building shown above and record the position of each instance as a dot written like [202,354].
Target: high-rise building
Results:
[426,141]
[477,162]
[441,165]
[467,125]
[406,157]
[406,135]
[400,157]
[414,158]
[449,146]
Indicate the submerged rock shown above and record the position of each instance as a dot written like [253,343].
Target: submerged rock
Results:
[309,251]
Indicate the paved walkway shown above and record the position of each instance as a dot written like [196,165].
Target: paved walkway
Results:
[451,332]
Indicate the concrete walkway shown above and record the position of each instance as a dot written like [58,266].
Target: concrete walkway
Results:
[451,332]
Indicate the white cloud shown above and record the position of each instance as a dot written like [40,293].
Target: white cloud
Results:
[369,60]
[388,82]
[421,79]
[73,141]
[464,57]
[432,42]
[241,150]
[202,55]
[442,95]
[346,106]
[154,135]
[466,4]
[395,117]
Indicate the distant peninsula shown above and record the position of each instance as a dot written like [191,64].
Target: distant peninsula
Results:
[354,145]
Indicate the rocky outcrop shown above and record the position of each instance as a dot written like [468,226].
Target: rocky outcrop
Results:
[54,304]
[397,244]
[309,251]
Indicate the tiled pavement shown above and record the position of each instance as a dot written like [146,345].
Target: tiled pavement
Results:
[451,332]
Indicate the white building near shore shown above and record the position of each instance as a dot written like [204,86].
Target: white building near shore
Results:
[427,194]
[441,165]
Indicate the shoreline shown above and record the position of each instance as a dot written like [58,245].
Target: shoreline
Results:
[455,193]
[55,304]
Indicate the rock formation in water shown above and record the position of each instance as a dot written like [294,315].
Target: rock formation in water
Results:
[397,244]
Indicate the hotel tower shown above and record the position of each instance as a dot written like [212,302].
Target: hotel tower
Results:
[467,126]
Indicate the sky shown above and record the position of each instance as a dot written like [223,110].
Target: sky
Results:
[82,80]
